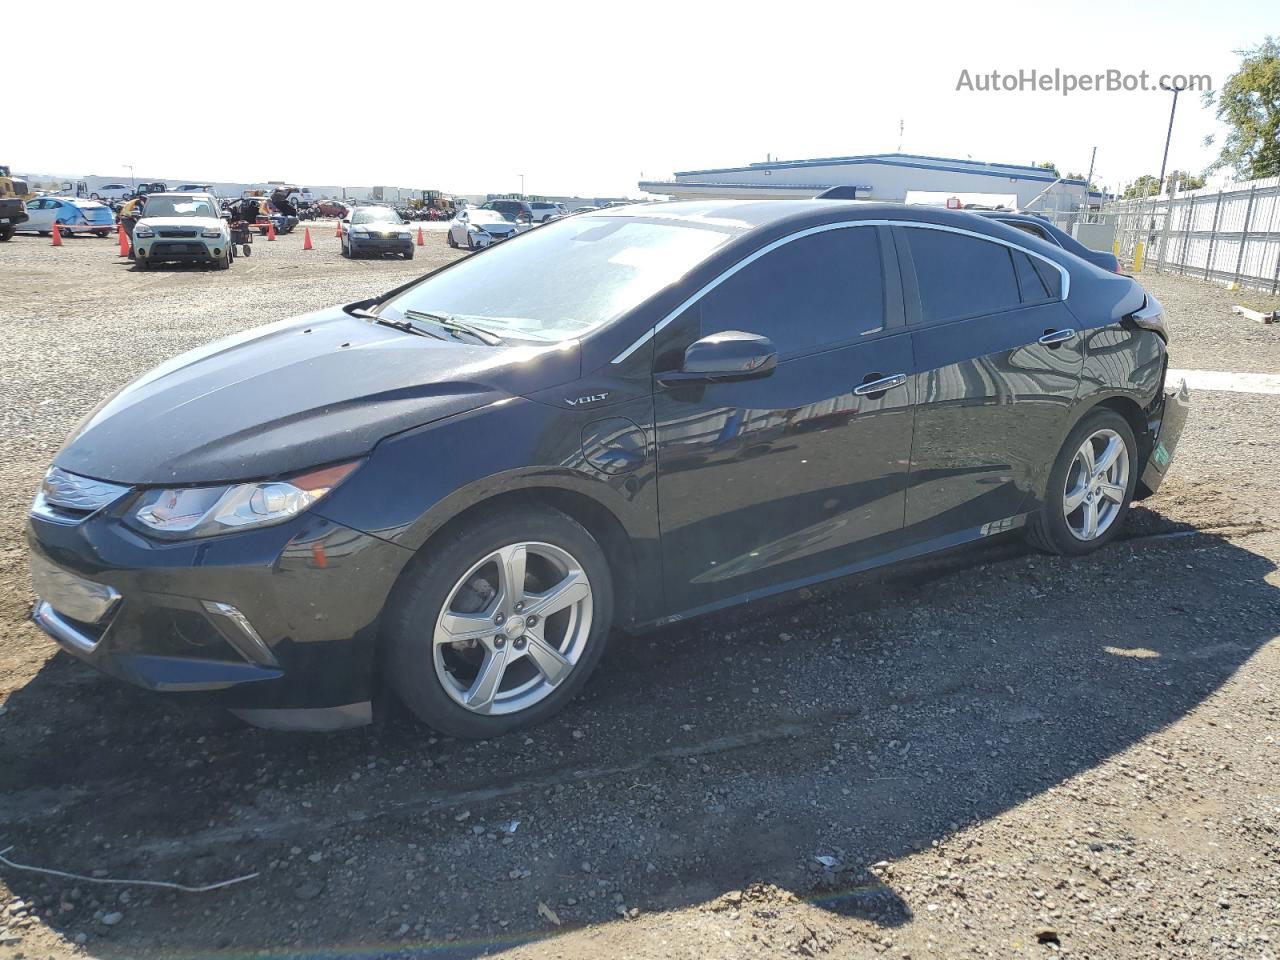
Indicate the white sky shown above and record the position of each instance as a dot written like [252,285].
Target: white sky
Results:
[584,98]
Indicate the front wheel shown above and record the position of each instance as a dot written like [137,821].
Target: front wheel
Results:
[1090,487]
[6,234]
[498,628]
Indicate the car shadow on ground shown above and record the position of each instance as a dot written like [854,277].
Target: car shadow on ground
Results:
[793,743]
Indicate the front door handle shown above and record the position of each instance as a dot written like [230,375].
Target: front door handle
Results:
[1053,337]
[880,385]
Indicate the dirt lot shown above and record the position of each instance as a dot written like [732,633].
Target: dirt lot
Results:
[991,754]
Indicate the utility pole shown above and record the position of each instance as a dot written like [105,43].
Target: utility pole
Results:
[900,126]
[132,182]
[1164,160]
[1088,181]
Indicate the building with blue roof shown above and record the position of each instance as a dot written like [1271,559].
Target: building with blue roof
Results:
[880,176]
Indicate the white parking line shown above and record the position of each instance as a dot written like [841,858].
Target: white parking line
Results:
[1225,380]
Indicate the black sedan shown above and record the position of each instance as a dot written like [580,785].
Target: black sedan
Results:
[453,491]
[367,230]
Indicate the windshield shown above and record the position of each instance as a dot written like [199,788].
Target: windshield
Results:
[487,216]
[565,279]
[374,215]
[179,207]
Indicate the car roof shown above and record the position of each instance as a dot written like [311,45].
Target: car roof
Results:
[749,215]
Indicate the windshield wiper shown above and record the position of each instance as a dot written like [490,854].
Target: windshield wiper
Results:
[402,325]
[452,323]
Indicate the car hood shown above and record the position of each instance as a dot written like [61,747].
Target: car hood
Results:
[318,389]
[192,223]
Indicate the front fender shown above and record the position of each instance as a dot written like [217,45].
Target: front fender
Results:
[417,481]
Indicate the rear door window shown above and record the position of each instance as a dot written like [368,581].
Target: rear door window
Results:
[961,276]
[811,294]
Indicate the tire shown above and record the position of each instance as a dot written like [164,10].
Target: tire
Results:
[102,234]
[471,244]
[224,263]
[448,235]
[1055,530]
[246,249]
[94,196]
[418,669]
[408,254]
[6,234]
[140,263]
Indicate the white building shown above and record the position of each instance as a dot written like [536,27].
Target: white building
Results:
[882,176]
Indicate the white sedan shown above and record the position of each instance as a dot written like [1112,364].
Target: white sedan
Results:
[477,229]
[71,214]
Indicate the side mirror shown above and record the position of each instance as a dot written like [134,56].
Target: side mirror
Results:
[731,355]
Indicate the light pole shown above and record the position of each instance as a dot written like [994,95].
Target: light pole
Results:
[522,186]
[1164,160]
[132,182]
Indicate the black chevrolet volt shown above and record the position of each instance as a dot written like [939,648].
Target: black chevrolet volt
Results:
[452,492]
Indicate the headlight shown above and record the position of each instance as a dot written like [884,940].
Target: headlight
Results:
[182,512]
[141,231]
[211,233]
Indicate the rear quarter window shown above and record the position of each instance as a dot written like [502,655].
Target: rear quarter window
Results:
[961,276]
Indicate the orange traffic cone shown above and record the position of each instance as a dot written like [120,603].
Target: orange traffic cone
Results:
[306,239]
[271,229]
[57,236]
[420,240]
[337,229]
[124,240]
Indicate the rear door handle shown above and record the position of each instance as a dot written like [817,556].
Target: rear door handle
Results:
[880,385]
[1052,338]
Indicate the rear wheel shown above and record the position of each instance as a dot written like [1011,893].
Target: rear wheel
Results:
[1090,487]
[101,234]
[498,627]
[6,233]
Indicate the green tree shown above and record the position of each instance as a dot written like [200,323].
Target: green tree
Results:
[1050,166]
[1249,104]
[1145,186]
[1186,181]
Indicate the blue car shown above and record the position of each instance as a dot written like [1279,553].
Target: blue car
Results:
[71,214]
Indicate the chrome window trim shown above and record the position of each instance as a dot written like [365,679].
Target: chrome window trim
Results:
[823,228]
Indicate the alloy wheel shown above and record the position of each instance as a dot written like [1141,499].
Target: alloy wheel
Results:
[513,628]
[1097,484]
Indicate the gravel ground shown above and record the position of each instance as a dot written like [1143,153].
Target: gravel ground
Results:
[988,754]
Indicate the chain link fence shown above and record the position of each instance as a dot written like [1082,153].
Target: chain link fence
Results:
[1229,235]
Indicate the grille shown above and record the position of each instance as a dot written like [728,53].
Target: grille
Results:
[175,232]
[66,496]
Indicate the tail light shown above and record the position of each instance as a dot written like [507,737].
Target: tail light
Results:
[1150,316]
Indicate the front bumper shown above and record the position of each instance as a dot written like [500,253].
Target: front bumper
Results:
[1166,433]
[277,624]
[376,244]
[197,250]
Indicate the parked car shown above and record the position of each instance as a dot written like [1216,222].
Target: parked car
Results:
[112,191]
[476,229]
[375,230]
[619,420]
[1042,228]
[182,228]
[587,209]
[71,214]
[520,211]
[331,208]
[197,188]
[542,211]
